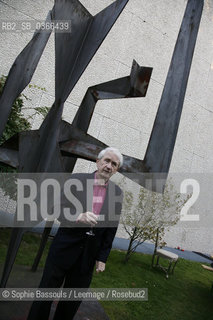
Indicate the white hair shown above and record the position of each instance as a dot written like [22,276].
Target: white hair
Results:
[115,151]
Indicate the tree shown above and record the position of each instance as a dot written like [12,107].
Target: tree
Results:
[146,213]
[17,122]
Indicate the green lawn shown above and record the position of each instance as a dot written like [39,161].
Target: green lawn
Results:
[27,251]
[184,296]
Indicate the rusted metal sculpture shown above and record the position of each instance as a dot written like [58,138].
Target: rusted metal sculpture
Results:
[73,53]
[57,139]
[161,144]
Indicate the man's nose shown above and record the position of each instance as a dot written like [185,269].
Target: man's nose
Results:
[109,165]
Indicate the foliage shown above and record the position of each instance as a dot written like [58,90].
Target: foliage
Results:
[146,212]
[16,121]
[42,111]
[36,87]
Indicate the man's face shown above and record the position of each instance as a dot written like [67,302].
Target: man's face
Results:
[107,165]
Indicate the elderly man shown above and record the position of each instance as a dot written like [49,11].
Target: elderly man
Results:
[84,240]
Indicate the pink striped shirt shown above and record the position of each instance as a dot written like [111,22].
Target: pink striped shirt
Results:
[99,194]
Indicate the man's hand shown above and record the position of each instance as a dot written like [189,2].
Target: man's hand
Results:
[88,218]
[100,266]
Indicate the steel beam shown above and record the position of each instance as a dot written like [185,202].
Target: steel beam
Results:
[161,144]
[21,72]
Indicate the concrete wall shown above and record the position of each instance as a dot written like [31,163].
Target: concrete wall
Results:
[146,31]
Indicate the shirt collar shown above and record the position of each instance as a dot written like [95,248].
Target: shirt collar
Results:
[100,185]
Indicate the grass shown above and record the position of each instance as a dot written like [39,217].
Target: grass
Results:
[184,296]
[28,248]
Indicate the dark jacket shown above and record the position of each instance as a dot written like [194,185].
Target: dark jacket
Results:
[72,241]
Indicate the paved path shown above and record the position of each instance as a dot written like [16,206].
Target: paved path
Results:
[23,277]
